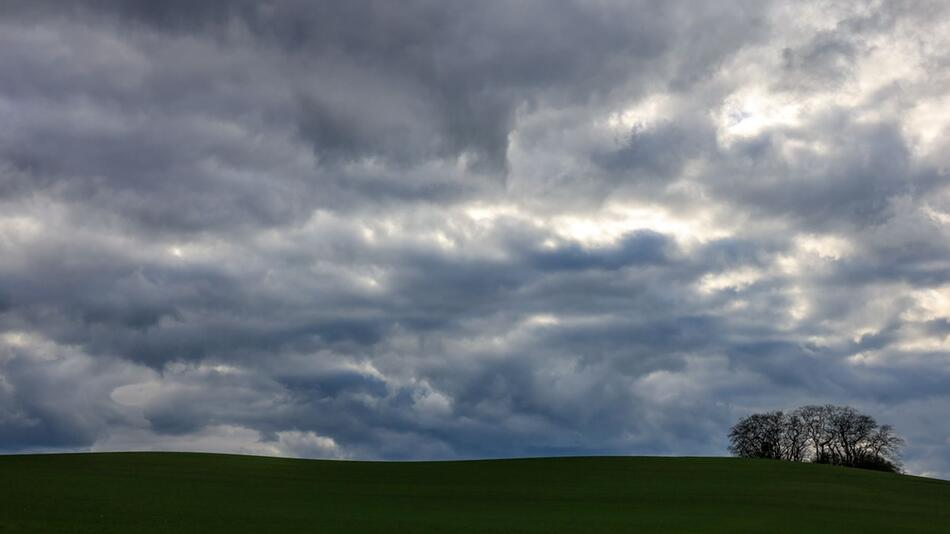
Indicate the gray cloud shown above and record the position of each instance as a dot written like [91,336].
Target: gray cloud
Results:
[442,230]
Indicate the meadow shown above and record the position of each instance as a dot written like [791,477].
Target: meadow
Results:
[192,492]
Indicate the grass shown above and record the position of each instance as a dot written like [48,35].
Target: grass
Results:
[185,492]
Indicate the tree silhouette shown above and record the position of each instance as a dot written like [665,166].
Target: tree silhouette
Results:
[838,435]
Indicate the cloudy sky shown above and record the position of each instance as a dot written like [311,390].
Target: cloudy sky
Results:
[429,229]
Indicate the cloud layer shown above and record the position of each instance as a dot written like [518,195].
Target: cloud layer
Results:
[455,229]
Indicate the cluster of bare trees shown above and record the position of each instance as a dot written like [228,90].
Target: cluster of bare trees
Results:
[837,435]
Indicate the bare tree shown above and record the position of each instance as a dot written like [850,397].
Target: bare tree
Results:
[851,433]
[815,420]
[794,438]
[758,436]
[837,435]
[885,443]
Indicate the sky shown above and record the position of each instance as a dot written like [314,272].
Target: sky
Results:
[452,229]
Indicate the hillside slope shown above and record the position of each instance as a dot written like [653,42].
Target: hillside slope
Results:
[185,492]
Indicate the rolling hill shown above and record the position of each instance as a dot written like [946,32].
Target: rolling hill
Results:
[188,492]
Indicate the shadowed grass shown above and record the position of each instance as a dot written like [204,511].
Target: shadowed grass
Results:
[186,492]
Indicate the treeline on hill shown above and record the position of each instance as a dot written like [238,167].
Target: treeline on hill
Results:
[838,435]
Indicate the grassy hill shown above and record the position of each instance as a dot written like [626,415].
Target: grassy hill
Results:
[184,492]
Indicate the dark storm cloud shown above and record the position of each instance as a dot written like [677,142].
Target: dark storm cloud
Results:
[638,248]
[178,117]
[870,169]
[826,59]
[446,229]
[659,152]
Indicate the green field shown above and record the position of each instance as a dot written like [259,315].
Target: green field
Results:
[184,492]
